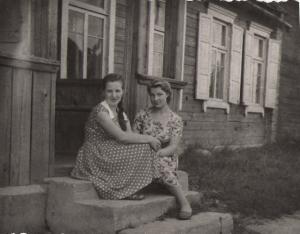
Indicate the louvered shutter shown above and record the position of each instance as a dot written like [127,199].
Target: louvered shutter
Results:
[272,73]
[235,64]
[248,68]
[203,56]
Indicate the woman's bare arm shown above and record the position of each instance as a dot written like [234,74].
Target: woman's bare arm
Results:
[171,148]
[122,136]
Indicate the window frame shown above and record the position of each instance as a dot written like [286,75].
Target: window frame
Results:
[227,17]
[146,38]
[108,14]
[225,50]
[258,30]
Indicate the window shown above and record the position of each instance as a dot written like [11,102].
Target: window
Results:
[261,64]
[219,58]
[161,37]
[87,32]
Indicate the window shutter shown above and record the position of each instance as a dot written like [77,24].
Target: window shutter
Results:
[248,69]
[236,64]
[272,73]
[203,56]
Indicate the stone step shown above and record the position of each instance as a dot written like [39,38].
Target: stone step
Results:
[74,207]
[202,223]
[22,209]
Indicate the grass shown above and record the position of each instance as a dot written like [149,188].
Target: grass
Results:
[258,182]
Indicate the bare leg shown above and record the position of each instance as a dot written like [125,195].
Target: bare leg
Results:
[185,207]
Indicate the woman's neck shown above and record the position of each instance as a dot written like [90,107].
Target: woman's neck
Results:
[113,108]
[161,110]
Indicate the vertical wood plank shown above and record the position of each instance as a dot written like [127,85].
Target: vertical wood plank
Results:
[21,127]
[52,21]
[52,126]
[40,132]
[5,123]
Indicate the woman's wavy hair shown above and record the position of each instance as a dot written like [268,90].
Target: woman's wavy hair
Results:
[164,85]
[112,77]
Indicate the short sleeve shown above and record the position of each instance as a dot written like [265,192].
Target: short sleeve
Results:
[177,126]
[101,109]
[139,122]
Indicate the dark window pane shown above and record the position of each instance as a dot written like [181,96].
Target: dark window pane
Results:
[160,13]
[219,83]
[75,45]
[212,82]
[94,58]
[212,75]
[95,26]
[260,48]
[223,41]
[97,3]
[258,83]
[220,75]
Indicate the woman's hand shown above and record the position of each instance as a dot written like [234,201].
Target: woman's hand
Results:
[154,143]
[162,153]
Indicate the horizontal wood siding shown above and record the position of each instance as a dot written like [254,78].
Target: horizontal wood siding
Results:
[289,104]
[215,127]
[120,37]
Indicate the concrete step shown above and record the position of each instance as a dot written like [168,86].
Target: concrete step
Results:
[22,209]
[74,207]
[202,223]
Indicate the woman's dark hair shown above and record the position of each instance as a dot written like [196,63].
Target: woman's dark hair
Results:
[164,85]
[112,77]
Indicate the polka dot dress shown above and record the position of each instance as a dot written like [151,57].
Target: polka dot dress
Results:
[117,170]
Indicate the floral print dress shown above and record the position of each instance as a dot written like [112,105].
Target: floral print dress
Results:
[145,124]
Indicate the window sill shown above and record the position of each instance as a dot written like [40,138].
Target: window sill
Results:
[146,79]
[217,104]
[255,108]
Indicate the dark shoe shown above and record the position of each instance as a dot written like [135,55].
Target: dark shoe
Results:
[185,215]
[135,197]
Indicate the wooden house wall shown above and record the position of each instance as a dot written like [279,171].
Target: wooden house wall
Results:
[289,98]
[215,127]
[27,95]
[27,90]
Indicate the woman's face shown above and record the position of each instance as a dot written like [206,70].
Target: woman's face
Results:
[113,93]
[158,97]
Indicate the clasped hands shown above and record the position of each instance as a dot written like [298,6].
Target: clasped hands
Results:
[156,145]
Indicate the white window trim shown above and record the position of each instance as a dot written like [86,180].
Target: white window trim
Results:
[109,30]
[145,40]
[255,108]
[216,104]
[265,32]
[221,13]
[228,17]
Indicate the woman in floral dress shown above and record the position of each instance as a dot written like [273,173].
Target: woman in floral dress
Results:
[117,161]
[162,123]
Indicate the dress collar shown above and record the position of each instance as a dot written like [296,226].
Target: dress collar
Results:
[110,112]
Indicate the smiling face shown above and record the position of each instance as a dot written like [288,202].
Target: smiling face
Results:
[158,97]
[113,93]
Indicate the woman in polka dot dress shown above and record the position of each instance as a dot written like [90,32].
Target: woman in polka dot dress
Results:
[117,161]
[162,123]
